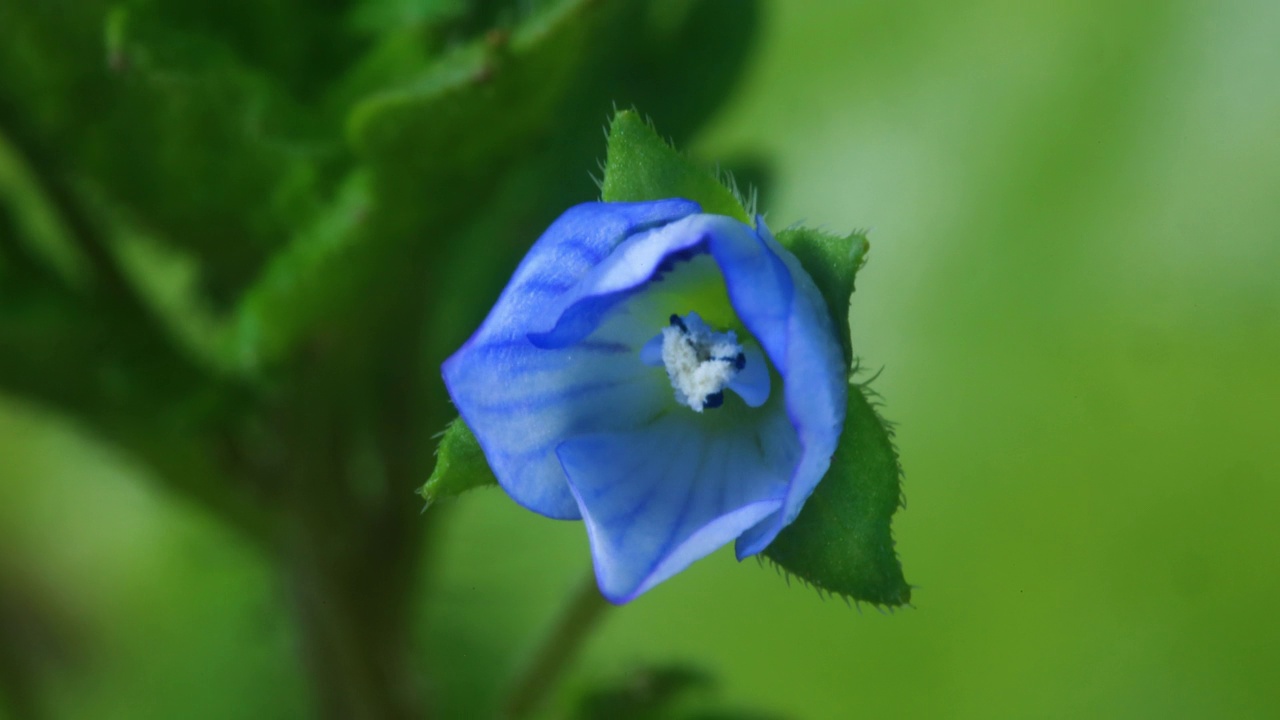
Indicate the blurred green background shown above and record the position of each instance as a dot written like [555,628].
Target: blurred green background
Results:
[1074,291]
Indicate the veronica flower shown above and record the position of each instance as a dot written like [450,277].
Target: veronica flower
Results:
[672,378]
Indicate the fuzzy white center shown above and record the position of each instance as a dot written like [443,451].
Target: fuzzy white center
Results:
[700,362]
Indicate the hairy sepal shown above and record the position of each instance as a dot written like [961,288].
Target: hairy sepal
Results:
[460,465]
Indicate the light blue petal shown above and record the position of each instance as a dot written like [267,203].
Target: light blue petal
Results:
[522,401]
[657,499]
[752,381]
[804,347]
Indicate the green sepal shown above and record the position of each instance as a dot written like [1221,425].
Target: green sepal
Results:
[842,542]
[641,166]
[833,262]
[460,465]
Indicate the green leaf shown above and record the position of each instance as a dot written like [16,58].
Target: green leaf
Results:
[641,166]
[842,542]
[460,465]
[833,263]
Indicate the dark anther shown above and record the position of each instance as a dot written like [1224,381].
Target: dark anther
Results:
[677,322]
[740,361]
[714,400]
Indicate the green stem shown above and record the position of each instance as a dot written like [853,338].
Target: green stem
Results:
[585,610]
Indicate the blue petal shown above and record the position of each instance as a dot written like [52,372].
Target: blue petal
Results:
[656,499]
[651,353]
[522,401]
[803,346]
[631,265]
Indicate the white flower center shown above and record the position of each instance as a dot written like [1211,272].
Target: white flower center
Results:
[700,362]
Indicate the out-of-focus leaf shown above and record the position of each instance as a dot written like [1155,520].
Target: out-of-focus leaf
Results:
[36,224]
[667,692]
[383,16]
[219,160]
[394,59]
[306,283]
[842,541]
[201,149]
[732,714]
[433,150]
[167,279]
[300,44]
[833,263]
[460,465]
[686,58]
[647,694]
[438,140]
[641,166]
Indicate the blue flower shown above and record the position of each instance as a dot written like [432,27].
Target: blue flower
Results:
[672,378]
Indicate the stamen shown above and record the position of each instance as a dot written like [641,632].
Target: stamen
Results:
[700,362]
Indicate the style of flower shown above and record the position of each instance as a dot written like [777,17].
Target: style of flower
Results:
[670,377]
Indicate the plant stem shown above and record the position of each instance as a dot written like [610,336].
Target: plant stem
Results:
[557,652]
[354,622]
